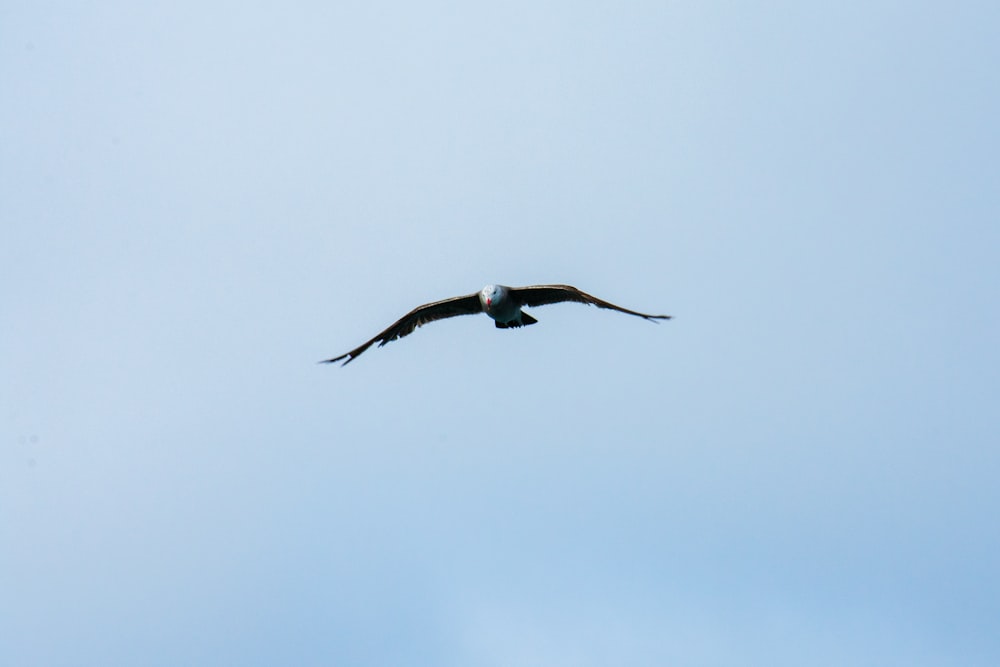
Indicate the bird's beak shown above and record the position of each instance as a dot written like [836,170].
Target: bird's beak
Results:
[489,302]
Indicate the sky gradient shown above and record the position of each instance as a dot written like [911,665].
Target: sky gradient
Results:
[199,201]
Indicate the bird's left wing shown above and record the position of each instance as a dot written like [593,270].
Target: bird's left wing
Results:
[419,316]
[540,295]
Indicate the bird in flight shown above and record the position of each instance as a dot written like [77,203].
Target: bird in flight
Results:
[500,302]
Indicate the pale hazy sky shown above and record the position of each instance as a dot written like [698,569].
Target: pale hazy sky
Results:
[199,200]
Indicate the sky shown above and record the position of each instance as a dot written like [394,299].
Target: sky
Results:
[200,200]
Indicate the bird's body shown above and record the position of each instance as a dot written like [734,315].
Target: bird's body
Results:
[505,311]
[503,304]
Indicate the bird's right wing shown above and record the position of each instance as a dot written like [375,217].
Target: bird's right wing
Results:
[419,316]
[540,295]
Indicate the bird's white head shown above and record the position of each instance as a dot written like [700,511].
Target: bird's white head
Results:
[490,295]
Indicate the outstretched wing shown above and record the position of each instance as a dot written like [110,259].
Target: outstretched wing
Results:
[419,316]
[540,295]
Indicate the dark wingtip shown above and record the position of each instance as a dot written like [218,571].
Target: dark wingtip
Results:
[334,360]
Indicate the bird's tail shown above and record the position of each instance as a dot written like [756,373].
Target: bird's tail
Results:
[526,319]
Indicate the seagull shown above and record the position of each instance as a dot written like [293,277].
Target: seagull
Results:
[500,302]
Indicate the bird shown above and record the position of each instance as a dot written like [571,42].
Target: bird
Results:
[500,302]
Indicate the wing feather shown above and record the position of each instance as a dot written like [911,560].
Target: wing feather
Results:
[540,295]
[419,316]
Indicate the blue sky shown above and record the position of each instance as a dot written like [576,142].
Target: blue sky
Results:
[199,201]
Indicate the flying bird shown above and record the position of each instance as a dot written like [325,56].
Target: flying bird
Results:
[500,302]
